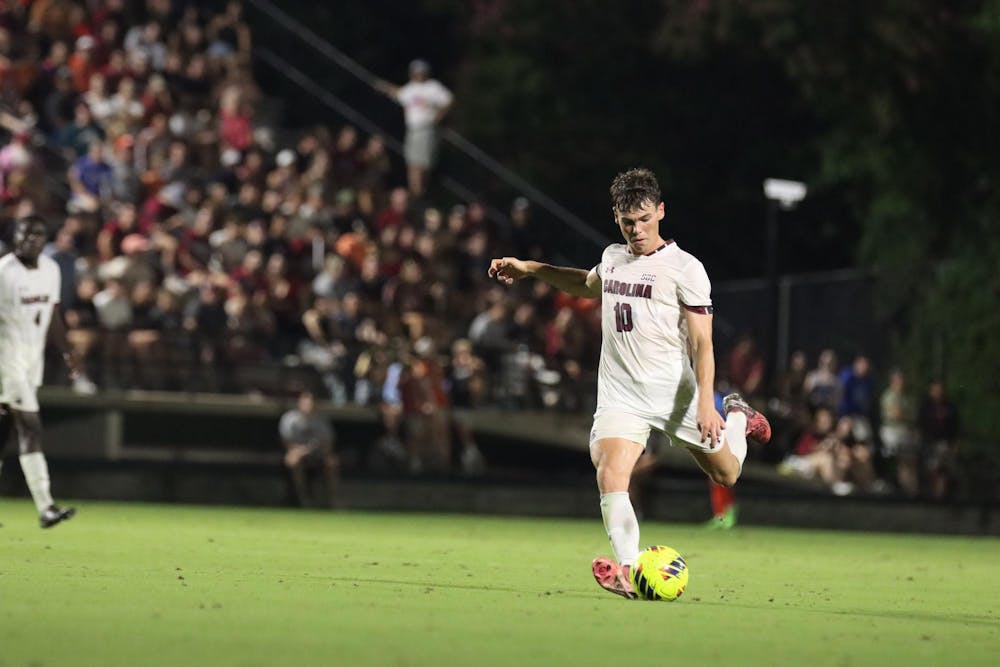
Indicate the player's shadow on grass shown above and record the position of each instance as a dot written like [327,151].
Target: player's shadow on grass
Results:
[466,587]
[964,619]
[888,614]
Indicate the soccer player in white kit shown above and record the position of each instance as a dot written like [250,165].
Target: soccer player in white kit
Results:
[29,292]
[657,365]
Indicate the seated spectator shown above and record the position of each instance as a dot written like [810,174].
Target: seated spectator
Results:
[127,112]
[125,182]
[81,63]
[466,390]
[791,386]
[833,455]
[333,280]
[390,444]
[114,69]
[857,398]
[899,434]
[938,419]
[191,39]
[425,406]
[194,84]
[409,291]
[814,453]
[822,386]
[175,347]
[790,413]
[397,213]
[308,440]
[114,314]
[114,231]
[250,325]
[16,162]
[144,338]
[97,99]
[325,348]
[229,33]
[151,145]
[235,124]
[854,459]
[745,367]
[374,168]
[206,323]
[145,39]
[345,160]
[488,332]
[90,180]
[77,136]
[63,250]
[83,329]
[57,107]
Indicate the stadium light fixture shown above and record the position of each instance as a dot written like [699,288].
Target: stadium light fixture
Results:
[786,193]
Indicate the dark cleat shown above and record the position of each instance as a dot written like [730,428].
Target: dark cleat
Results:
[54,515]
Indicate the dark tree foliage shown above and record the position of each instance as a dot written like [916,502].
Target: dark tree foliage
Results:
[889,110]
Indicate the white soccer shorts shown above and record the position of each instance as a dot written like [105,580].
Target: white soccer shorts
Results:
[682,430]
[19,386]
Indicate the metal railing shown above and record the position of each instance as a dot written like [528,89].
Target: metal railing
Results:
[336,104]
[451,181]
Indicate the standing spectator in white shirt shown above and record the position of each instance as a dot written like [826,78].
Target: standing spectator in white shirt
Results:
[425,102]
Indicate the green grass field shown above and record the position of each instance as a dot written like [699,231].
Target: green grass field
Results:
[142,585]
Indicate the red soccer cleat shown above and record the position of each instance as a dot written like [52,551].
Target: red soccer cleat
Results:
[613,577]
[758,427]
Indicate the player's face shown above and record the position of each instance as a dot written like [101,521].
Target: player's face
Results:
[641,227]
[29,239]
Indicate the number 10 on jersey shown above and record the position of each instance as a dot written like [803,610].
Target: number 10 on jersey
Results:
[623,317]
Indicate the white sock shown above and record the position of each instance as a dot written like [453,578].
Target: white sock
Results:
[36,474]
[736,435]
[622,526]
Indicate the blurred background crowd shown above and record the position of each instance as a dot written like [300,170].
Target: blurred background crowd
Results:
[204,249]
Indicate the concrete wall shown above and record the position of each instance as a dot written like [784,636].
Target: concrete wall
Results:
[221,450]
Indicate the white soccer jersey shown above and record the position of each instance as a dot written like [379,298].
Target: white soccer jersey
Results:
[27,298]
[421,102]
[645,360]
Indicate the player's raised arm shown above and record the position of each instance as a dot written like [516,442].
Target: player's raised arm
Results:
[387,89]
[577,282]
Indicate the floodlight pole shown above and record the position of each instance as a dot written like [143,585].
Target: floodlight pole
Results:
[783,194]
[771,233]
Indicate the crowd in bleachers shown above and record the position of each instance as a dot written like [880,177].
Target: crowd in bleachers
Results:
[195,245]
[849,430]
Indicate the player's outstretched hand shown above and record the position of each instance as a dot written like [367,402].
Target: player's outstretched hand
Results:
[710,424]
[508,269]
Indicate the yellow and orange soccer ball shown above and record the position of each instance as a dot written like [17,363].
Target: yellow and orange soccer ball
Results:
[659,573]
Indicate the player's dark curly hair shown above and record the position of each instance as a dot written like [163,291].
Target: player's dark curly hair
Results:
[634,188]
